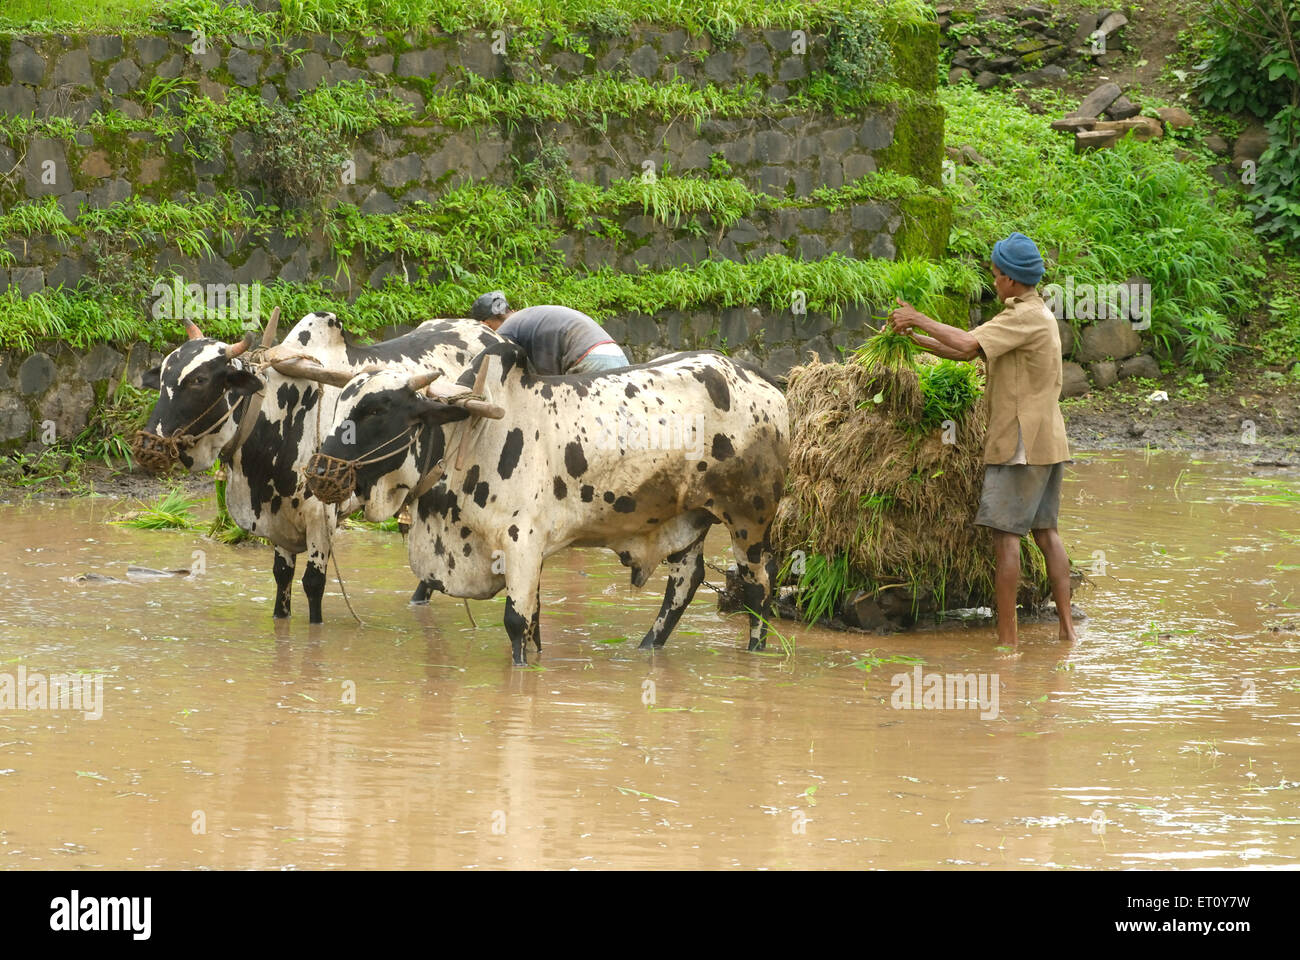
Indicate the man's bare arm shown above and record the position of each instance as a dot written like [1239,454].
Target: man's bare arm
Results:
[934,346]
[960,343]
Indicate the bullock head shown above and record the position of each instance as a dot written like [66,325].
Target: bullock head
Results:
[200,383]
[386,430]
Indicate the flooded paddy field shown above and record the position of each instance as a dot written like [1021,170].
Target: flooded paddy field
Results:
[1168,736]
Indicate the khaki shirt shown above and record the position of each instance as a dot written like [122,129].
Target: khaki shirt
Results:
[1022,345]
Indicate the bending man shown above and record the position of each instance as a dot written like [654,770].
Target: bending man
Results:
[558,340]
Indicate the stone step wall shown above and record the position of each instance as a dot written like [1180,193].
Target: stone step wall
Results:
[779,152]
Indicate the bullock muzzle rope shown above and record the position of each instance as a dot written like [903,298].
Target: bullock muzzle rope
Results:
[158,453]
[333,479]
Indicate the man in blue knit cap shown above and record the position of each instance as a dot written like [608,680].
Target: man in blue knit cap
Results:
[1026,449]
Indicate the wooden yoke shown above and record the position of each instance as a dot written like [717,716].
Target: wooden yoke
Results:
[480,382]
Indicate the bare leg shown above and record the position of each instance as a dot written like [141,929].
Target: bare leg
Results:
[1006,548]
[1058,573]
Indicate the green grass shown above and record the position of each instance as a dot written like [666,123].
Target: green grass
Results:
[174,510]
[718,18]
[82,319]
[77,13]
[1105,215]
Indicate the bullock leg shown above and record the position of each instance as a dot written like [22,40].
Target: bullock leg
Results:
[523,609]
[282,567]
[756,565]
[537,622]
[313,584]
[423,591]
[685,574]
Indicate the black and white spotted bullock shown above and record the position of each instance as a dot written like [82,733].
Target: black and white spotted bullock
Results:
[205,389]
[596,460]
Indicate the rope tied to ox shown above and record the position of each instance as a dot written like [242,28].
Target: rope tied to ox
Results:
[158,453]
[332,479]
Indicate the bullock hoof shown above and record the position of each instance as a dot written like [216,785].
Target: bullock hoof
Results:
[648,643]
[757,645]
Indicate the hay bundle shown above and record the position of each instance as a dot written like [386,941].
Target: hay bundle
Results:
[875,499]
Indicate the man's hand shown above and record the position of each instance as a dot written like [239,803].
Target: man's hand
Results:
[904,316]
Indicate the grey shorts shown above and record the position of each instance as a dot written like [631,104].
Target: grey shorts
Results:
[1020,497]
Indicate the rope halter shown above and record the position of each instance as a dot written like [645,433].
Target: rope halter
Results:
[158,453]
[332,479]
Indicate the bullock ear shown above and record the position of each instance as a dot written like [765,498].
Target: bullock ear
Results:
[242,381]
[152,379]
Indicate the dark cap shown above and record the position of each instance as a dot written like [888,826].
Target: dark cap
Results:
[489,305]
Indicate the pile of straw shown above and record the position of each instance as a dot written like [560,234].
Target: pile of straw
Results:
[868,482]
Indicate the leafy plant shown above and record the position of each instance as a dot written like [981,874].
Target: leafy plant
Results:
[174,510]
[1276,192]
[1254,66]
[858,52]
[950,388]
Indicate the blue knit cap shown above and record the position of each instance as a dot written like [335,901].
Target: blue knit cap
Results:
[1017,257]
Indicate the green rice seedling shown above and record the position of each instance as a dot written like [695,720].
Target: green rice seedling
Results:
[174,510]
[223,528]
[358,521]
[823,586]
[950,388]
[888,348]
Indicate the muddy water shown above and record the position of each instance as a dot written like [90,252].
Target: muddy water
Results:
[1168,736]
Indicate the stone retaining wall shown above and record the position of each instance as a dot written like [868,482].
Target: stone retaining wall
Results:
[784,155]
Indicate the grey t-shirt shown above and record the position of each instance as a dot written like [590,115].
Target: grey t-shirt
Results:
[555,337]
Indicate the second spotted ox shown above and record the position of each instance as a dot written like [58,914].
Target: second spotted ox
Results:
[561,469]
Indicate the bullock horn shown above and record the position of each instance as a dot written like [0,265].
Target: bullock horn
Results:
[422,380]
[235,349]
[268,335]
[309,370]
[192,331]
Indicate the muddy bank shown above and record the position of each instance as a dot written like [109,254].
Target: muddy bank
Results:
[1249,418]
[56,476]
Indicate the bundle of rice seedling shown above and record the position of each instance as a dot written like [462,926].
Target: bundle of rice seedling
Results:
[174,510]
[882,490]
